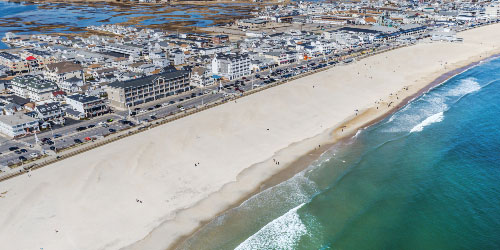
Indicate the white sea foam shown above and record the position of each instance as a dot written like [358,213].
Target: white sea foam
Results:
[281,233]
[430,105]
[357,133]
[428,121]
[466,86]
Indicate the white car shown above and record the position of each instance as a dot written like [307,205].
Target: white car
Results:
[34,155]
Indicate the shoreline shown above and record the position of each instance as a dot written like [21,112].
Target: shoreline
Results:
[330,137]
[304,161]
[235,145]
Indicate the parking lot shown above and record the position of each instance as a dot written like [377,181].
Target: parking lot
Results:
[75,132]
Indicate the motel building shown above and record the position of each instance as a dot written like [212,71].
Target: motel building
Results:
[17,125]
[142,90]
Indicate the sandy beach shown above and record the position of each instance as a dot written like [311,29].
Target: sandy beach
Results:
[150,190]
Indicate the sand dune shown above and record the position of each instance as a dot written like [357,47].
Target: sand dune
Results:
[91,199]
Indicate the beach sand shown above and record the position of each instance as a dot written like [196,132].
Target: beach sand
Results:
[90,201]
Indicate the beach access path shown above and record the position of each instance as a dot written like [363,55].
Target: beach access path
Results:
[148,190]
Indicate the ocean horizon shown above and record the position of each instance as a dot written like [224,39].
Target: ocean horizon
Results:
[424,177]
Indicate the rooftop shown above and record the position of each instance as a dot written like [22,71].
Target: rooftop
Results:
[171,74]
[16,119]
[83,98]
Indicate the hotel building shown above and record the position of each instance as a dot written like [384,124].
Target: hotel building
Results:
[137,91]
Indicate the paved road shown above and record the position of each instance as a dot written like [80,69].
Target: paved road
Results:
[68,135]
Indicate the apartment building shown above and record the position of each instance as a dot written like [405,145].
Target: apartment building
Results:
[33,87]
[17,125]
[89,106]
[231,66]
[123,94]
[49,111]
[493,10]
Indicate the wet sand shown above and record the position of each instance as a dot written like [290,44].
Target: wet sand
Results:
[91,199]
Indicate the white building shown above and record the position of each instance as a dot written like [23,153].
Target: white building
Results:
[177,57]
[445,35]
[493,11]
[17,125]
[124,49]
[231,66]
[200,77]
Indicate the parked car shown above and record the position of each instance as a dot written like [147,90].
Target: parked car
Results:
[80,129]
[23,150]
[33,155]
[77,141]
[112,130]
[13,148]
[22,158]
[18,152]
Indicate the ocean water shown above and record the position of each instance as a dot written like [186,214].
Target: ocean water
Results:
[426,177]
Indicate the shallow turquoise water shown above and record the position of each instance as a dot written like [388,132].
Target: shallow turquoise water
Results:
[426,177]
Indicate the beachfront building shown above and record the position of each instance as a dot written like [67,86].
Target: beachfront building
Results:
[493,10]
[33,87]
[201,77]
[49,112]
[231,66]
[17,124]
[89,106]
[123,94]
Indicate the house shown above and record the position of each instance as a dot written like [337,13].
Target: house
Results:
[231,66]
[90,106]
[201,77]
[17,125]
[61,71]
[58,96]
[177,57]
[74,114]
[218,39]
[14,63]
[3,85]
[72,84]
[49,112]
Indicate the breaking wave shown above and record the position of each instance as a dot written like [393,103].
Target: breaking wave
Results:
[428,121]
[430,106]
[281,233]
